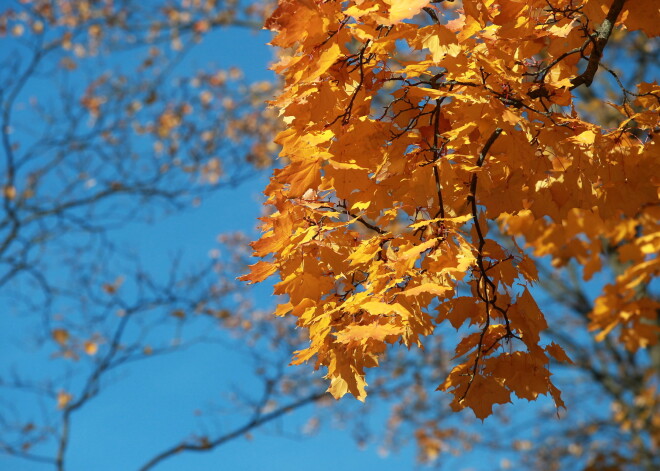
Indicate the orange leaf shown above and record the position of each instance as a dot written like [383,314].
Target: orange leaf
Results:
[484,392]
[403,9]
[90,348]
[259,272]
[430,288]
[301,176]
[61,336]
[63,399]
[361,333]
[558,353]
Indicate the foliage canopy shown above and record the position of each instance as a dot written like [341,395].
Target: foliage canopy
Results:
[477,177]
[434,154]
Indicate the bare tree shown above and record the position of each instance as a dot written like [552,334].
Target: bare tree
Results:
[103,129]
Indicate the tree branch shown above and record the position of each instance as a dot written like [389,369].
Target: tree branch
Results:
[257,421]
[602,35]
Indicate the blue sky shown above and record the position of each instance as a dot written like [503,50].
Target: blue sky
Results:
[151,405]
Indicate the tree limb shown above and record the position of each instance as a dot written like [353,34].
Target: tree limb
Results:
[602,35]
[257,421]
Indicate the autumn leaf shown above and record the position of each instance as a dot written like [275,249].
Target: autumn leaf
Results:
[405,181]
[61,336]
[404,9]
[440,41]
[259,272]
[485,391]
[301,176]
[430,288]
[63,399]
[558,353]
[90,348]
[362,333]
[643,15]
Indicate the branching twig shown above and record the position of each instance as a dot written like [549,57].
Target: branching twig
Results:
[252,424]
[599,40]
[483,280]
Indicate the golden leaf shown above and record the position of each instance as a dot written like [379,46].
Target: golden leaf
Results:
[91,348]
[361,333]
[63,399]
[404,9]
[259,272]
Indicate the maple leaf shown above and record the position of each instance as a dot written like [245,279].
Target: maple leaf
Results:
[61,336]
[301,176]
[485,391]
[259,272]
[378,216]
[428,288]
[522,373]
[339,387]
[643,15]
[404,9]
[63,399]
[558,353]
[361,333]
[379,308]
[440,41]
[477,9]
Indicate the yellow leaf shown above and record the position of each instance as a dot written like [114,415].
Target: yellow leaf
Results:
[360,205]
[403,9]
[63,399]
[460,220]
[9,192]
[90,348]
[414,252]
[361,333]
[378,308]
[340,386]
[587,138]
[511,117]
[440,41]
[259,272]
[326,60]
[528,269]
[301,176]
[428,288]
[365,251]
